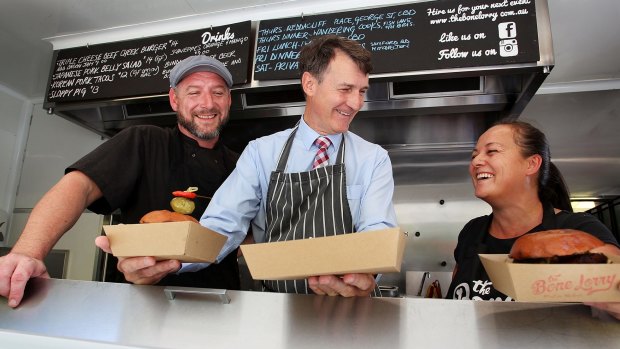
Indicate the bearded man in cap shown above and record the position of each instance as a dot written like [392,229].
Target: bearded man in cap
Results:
[136,172]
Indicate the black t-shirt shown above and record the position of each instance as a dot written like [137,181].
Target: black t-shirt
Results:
[138,169]
[471,280]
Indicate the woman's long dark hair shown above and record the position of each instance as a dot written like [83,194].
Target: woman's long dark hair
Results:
[551,185]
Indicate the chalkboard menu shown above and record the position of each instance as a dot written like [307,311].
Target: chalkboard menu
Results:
[418,36]
[141,67]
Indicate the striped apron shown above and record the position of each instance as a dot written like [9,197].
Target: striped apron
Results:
[306,205]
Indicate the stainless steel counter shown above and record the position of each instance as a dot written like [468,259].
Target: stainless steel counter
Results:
[78,314]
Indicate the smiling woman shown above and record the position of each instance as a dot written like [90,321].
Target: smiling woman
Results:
[511,170]
[511,153]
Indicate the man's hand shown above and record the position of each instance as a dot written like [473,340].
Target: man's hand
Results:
[15,271]
[350,285]
[140,270]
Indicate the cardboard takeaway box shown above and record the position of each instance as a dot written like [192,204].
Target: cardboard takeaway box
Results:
[378,251]
[185,241]
[554,282]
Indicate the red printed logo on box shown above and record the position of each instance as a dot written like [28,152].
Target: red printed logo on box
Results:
[588,285]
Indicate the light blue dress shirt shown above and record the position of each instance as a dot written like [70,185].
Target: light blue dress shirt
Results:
[241,199]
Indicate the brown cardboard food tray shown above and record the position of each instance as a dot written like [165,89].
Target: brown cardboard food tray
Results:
[378,251]
[185,241]
[554,282]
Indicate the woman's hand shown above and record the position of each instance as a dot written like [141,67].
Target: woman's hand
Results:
[612,309]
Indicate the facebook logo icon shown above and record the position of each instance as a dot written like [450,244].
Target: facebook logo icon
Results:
[507,30]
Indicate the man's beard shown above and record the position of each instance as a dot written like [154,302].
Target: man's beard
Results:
[193,128]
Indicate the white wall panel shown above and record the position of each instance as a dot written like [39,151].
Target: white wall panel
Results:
[53,144]
[12,129]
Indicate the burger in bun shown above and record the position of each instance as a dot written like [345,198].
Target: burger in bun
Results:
[567,246]
[162,216]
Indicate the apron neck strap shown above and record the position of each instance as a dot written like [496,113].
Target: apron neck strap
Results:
[286,151]
[340,156]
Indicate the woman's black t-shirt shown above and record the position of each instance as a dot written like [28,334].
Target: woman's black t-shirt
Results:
[472,282]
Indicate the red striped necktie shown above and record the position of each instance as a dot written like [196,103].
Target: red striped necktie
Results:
[320,160]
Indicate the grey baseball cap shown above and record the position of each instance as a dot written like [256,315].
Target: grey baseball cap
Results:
[194,64]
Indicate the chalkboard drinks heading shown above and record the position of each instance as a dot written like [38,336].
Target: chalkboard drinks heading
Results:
[141,67]
[413,37]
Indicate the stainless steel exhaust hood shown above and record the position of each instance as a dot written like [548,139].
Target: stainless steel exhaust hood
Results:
[486,97]
[419,120]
